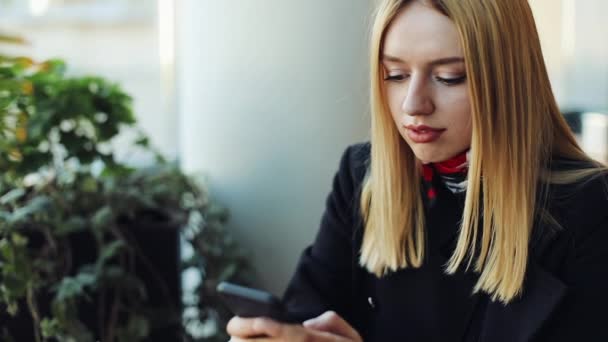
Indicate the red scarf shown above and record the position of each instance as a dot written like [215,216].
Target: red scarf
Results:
[452,172]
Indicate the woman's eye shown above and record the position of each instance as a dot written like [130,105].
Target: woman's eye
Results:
[395,77]
[451,81]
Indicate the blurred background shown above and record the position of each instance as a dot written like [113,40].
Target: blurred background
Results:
[263,96]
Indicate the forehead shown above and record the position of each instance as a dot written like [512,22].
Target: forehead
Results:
[420,32]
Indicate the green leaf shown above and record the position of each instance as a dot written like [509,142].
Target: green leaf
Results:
[72,225]
[12,308]
[103,218]
[108,252]
[143,141]
[138,327]
[228,272]
[71,287]
[12,196]
[89,184]
[37,205]
[6,250]
[18,240]
[50,327]
[56,66]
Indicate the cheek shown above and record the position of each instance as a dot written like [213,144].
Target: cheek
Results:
[394,101]
[460,108]
[466,116]
[463,117]
[464,122]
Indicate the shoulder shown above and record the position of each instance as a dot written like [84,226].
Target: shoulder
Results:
[581,207]
[343,201]
[354,163]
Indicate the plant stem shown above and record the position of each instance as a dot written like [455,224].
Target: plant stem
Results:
[113,316]
[113,319]
[101,314]
[31,304]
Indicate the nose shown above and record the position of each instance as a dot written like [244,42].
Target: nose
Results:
[418,99]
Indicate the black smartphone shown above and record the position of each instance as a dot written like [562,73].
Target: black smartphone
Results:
[248,302]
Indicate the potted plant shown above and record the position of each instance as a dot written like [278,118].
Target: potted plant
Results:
[90,246]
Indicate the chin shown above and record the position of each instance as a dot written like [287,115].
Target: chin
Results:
[426,157]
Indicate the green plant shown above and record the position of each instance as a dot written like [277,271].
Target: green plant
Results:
[60,180]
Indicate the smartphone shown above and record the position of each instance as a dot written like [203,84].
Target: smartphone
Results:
[248,302]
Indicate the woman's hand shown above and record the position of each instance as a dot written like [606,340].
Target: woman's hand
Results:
[329,327]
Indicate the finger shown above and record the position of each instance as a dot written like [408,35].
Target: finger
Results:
[238,339]
[331,322]
[249,327]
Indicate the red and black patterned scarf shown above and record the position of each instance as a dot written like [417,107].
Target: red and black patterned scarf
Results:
[452,173]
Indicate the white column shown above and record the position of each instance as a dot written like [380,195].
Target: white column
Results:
[270,93]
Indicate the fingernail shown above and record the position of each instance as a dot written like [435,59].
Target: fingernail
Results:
[309,322]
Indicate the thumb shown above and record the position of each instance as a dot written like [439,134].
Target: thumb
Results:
[331,322]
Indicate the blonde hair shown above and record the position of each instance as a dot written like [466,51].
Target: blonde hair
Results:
[517,130]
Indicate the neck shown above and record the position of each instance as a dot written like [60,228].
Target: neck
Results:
[451,172]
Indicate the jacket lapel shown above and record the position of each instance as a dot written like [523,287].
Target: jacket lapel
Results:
[455,290]
[521,319]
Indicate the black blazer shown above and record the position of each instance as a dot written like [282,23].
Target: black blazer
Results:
[565,292]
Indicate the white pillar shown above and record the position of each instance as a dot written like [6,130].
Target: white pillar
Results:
[270,93]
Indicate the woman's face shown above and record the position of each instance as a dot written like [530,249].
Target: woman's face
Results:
[426,83]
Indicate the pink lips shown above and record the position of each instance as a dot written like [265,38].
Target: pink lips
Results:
[423,134]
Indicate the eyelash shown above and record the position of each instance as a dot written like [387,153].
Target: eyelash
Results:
[452,81]
[394,78]
[446,81]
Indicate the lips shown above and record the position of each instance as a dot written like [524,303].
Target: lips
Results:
[423,134]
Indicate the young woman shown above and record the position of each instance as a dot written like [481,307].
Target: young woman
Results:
[473,214]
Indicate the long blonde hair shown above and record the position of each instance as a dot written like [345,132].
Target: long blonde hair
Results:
[517,130]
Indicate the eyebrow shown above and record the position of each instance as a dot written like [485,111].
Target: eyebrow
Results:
[440,61]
